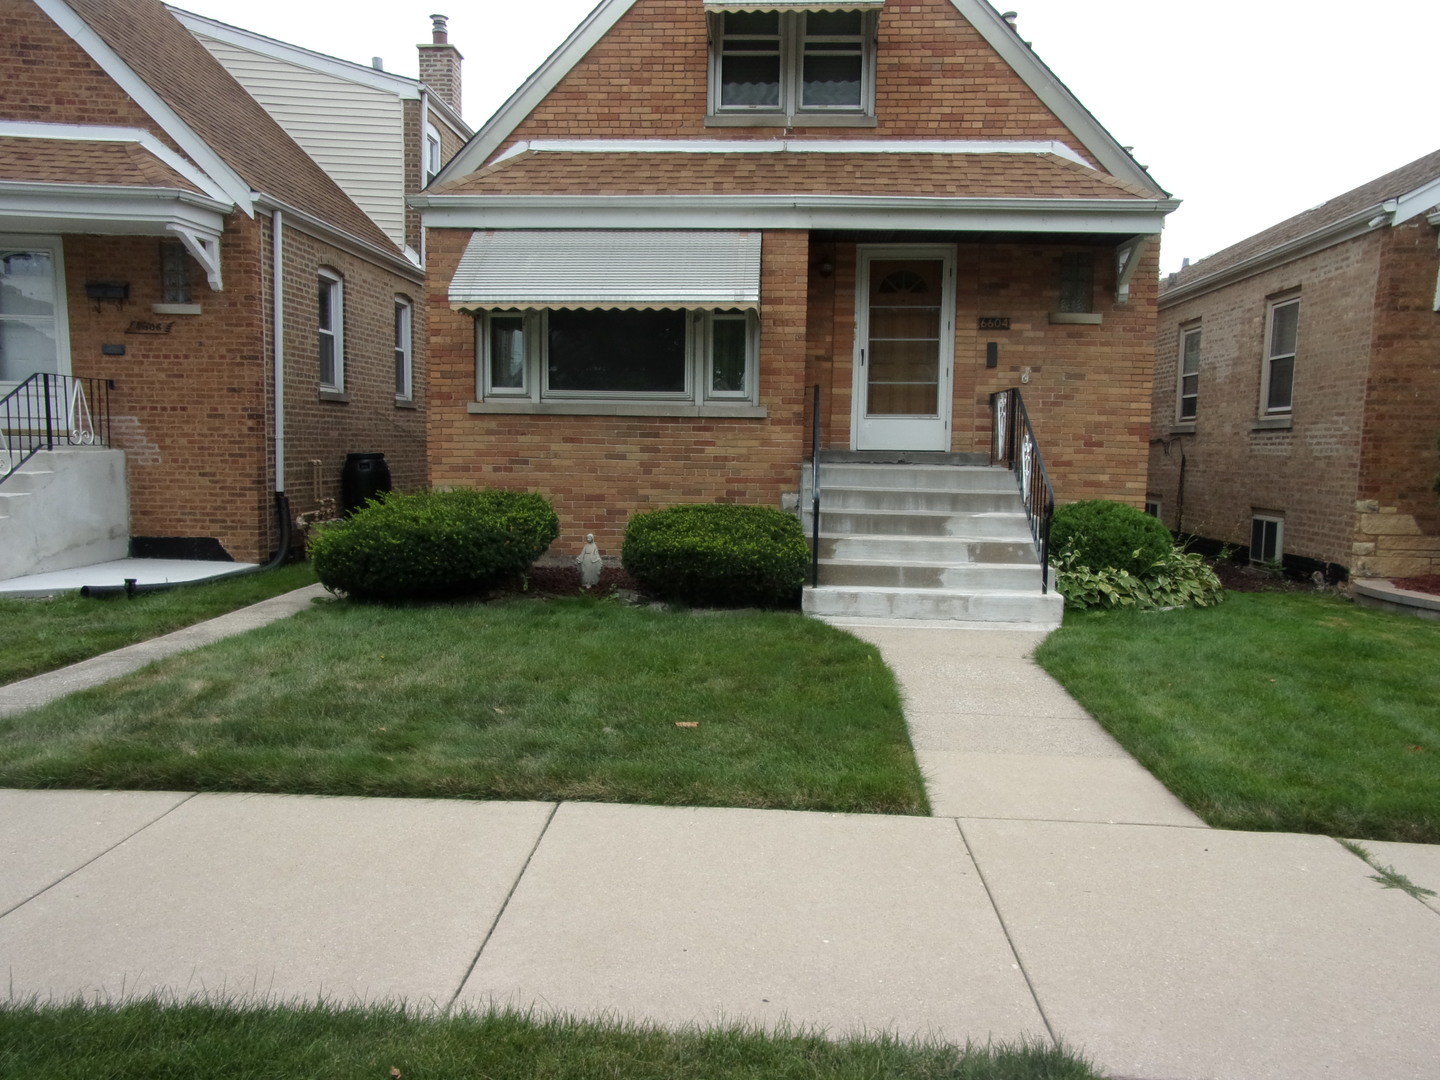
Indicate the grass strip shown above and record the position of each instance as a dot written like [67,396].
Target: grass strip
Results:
[1271,712]
[147,1040]
[42,634]
[581,699]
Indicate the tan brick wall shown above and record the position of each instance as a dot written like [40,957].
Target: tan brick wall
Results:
[936,77]
[188,406]
[320,432]
[1089,389]
[600,469]
[1309,473]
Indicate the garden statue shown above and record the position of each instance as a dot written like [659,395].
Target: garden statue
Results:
[590,562]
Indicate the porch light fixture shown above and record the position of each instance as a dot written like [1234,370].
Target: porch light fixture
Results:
[826,266]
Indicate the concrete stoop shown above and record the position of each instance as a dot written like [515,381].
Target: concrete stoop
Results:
[925,542]
[64,508]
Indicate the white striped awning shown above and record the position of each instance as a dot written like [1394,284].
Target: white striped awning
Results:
[607,268]
[794,5]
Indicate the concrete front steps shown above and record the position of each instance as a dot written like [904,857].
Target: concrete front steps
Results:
[935,542]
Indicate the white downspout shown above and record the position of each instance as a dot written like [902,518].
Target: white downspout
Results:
[277,275]
[423,178]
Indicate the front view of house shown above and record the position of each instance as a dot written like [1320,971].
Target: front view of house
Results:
[698,211]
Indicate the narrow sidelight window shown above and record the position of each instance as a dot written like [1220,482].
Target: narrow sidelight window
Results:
[332,331]
[1282,336]
[1189,389]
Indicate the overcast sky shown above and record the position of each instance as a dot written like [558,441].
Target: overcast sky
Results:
[1249,112]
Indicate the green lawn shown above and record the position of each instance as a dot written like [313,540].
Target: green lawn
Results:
[526,699]
[1272,711]
[44,634]
[147,1041]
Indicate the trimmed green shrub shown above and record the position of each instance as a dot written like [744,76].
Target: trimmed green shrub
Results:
[713,555]
[1105,535]
[433,545]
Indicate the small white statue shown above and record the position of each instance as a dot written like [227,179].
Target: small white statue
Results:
[590,562]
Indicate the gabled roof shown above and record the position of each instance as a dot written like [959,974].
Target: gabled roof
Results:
[1001,36]
[1388,200]
[203,104]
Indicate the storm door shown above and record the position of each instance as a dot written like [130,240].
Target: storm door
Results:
[904,337]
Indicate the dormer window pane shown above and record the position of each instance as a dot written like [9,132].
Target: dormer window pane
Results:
[831,78]
[751,80]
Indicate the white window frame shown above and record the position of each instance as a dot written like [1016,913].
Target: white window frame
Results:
[434,154]
[1266,409]
[1155,508]
[404,349]
[699,365]
[336,331]
[791,109]
[1258,559]
[1187,335]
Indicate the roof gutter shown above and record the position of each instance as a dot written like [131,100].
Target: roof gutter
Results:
[1347,228]
[323,230]
[1111,216]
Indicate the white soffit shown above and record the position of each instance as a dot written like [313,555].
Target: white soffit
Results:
[531,268]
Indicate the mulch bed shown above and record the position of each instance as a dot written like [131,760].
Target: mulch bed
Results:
[1430,583]
[565,581]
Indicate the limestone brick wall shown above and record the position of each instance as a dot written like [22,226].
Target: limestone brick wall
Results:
[1234,467]
[598,470]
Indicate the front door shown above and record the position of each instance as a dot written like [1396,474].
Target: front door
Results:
[33,332]
[904,347]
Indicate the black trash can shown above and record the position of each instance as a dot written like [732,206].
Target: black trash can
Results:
[364,477]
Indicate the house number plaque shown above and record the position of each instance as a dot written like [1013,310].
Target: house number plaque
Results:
[994,322]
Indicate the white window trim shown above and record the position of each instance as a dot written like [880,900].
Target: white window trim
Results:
[55,246]
[1159,507]
[434,161]
[404,349]
[1279,523]
[1186,333]
[1270,355]
[698,370]
[336,331]
[790,110]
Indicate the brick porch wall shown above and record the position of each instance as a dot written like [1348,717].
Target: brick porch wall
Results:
[599,470]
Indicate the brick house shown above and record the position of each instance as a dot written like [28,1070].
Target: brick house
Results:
[150,211]
[1297,380]
[695,212]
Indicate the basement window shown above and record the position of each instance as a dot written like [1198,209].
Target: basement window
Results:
[1267,540]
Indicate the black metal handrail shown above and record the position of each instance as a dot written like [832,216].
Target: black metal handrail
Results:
[1014,445]
[48,410]
[815,488]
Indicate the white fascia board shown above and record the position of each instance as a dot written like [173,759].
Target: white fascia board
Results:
[109,209]
[1033,71]
[795,146]
[1412,203]
[547,76]
[21,129]
[236,189]
[1128,217]
[308,223]
[1347,228]
[400,85]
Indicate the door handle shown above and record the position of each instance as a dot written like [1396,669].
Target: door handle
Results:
[862,357]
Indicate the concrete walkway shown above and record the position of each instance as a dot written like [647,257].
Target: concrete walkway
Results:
[1057,892]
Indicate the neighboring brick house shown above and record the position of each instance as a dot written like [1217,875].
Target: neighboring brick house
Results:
[142,192]
[696,211]
[1297,386]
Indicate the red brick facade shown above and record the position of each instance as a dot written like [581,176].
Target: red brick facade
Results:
[1350,473]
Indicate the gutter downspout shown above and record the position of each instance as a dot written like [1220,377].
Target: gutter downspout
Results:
[424,180]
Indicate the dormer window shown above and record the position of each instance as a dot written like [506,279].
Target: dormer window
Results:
[792,68]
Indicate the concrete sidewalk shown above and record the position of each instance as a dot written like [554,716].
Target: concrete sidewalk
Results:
[1058,892]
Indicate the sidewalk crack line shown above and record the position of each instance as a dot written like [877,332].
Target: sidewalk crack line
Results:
[500,914]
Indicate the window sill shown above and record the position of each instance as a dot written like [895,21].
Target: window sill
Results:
[1272,423]
[406,403]
[1185,428]
[780,120]
[1076,318]
[175,309]
[335,395]
[617,408]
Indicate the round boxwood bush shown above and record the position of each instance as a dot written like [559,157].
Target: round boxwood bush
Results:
[714,555]
[433,545]
[1107,535]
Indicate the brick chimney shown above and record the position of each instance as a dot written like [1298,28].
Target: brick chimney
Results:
[440,64]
